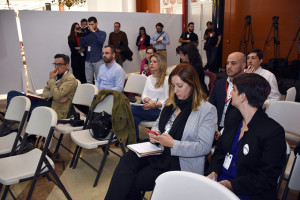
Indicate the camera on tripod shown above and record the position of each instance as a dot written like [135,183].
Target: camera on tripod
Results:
[83,31]
[275,19]
[248,19]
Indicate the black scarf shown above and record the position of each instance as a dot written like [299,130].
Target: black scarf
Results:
[166,161]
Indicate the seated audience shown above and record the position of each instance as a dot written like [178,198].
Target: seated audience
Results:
[146,61]
[59,91]
[155,93]
[142,41]
[187,123]
[254,59]
[111,75]
[190,54]
[250,154]
[221,94]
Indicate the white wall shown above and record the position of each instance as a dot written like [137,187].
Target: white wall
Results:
[10,53]
[45,34]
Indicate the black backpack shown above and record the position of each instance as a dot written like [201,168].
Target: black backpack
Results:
[100,125]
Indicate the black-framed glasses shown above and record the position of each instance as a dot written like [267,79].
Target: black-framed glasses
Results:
[149,53]
[58,64]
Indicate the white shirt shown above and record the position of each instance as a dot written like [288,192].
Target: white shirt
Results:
[227,100]
[269,76]
[156,94]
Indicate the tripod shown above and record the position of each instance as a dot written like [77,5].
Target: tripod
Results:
[294,40]
[274,27]
[247,35]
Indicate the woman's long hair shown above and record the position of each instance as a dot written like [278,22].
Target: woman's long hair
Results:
[191,50]
[142,28]
[187,74]
[162,70]
[73,34]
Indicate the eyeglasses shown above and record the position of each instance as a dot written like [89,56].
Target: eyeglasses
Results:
[58,64]
[149,53]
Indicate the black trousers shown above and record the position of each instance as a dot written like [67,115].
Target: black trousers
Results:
[132,175]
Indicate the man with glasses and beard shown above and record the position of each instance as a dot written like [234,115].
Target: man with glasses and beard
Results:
[111,75]
[189,36]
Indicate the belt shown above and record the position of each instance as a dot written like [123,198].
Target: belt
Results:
[161,50]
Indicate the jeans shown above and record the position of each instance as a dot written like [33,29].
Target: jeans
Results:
[139,114]
[91,69]
[211,55]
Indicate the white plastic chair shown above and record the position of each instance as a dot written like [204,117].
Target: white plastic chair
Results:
[291,94]
[206,81]
[35,163]
[17,111]
[286,113]
[135,84]
[178,185]
[84,96]
[293,180]
[84,139]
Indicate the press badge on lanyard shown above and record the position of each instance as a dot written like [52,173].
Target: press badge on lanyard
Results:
[227,160]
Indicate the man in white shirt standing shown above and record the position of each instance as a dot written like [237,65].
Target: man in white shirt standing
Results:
[254,59]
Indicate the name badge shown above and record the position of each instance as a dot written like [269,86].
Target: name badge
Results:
[89,48]
[161,38]
[227,161]
[188,36]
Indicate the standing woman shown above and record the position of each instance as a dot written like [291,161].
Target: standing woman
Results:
[142,41]
[77,56]
[187,124]
[155,92]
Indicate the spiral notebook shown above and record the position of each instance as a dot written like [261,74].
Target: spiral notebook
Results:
[145,149]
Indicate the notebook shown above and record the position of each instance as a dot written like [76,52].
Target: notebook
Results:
[145,149]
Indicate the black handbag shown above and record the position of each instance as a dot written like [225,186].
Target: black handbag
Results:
[100,125]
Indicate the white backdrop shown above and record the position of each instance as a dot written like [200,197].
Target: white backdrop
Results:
[10,53]
[45,34]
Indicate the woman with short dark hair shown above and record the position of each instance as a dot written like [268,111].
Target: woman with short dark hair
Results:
[187,124]
[250,154]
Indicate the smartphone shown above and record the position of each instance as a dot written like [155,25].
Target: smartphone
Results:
[153,132]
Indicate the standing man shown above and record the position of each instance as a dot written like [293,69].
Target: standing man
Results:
[160,39]
[221,97]
[189,36]
[213,40]
[111,74]
[93,42]
[254,59]
[116,39]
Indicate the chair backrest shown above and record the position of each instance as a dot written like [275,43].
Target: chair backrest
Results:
[286,113]
[135,84]
[291,94]
[294,183]
[170,69]
[105,105]
[206,81]
[17,107]
[178,185]
[85,94]
[41,121]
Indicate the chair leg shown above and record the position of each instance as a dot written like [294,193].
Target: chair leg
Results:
[77,157]
[285,193]
[58,143]
[5,192]
[122,147]
[31,187]
[60,185]
[101,165]
[74,156]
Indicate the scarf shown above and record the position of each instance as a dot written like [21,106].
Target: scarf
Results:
[166,161]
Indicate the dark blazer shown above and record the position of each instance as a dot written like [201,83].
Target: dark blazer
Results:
[146,41]
[258,170]
[218,97]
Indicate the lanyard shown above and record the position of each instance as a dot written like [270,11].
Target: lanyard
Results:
[226,87]
[171,123]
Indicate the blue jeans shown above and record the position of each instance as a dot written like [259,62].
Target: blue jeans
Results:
[211,55]
[139,114]
[34,102]
[91,69]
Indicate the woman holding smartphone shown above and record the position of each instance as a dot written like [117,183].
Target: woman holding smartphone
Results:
[146,61]
[186,129]
[142,41]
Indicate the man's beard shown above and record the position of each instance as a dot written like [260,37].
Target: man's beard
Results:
[191,30]
[107,60]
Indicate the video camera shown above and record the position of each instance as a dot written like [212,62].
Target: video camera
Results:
[83,31]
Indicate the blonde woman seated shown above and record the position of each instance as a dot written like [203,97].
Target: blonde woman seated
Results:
[187,123]
[155,92]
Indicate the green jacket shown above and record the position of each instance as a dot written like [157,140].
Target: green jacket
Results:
[122,119]
[65,87]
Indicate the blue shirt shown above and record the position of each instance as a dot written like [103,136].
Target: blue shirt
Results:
[93,43]
[111,77]
[165,40]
